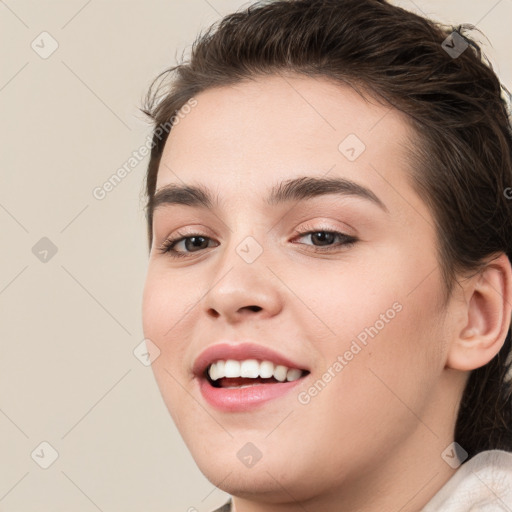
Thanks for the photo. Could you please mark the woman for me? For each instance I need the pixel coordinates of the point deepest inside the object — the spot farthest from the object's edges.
(329, 281)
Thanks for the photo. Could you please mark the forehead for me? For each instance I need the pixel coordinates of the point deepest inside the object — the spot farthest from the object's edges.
(248, 136)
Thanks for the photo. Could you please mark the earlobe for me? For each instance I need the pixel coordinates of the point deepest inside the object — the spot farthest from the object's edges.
(487, 316)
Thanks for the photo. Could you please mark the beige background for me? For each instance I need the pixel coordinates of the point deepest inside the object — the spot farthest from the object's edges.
(69, 326)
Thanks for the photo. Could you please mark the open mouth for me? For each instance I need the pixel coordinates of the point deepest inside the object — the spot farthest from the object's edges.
(233, 374)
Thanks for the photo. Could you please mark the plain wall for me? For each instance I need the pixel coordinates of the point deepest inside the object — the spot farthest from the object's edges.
(70, 321)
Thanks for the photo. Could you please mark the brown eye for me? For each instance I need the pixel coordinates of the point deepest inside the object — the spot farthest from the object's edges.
(324, 238)
(191, 243)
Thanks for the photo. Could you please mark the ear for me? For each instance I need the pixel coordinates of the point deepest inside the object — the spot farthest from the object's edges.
(486, 316)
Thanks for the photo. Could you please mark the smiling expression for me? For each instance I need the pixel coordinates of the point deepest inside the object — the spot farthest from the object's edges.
(305, 234)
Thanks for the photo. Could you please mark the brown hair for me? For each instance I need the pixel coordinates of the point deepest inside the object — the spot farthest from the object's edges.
(461, 159)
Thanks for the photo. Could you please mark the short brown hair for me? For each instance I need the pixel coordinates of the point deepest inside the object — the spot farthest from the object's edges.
(461, 163)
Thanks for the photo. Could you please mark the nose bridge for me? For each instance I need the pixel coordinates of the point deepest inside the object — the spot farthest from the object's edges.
(242, 281)
(248, 239)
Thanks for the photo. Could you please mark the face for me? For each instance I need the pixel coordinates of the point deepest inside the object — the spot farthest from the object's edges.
(342, 283)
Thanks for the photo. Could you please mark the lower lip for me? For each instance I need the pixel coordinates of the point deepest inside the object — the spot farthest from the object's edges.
(244, 399)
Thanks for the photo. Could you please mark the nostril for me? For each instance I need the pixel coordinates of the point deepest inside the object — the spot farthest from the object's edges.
(254, 308)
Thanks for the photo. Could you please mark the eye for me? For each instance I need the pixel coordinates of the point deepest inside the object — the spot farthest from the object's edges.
(194, 242)
(326, 239)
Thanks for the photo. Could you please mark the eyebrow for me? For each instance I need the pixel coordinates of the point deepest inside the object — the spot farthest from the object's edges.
(296, 189)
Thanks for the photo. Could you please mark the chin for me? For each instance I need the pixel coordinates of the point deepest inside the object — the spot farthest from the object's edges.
(252, 484)
(265, 481)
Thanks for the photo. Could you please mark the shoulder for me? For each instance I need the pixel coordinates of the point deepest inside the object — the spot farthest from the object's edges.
(484, 481)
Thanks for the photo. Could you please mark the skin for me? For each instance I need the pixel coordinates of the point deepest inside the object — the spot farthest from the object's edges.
(372, 439)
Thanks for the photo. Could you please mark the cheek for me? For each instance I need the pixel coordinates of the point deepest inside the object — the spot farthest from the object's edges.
(163, 306)
(166, 300)
(394, 357)
(166, 322)
(383, 387)
(385, 323)
(338, 303)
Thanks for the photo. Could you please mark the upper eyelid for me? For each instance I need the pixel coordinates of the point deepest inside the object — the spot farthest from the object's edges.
(186, 232)
(322, 224)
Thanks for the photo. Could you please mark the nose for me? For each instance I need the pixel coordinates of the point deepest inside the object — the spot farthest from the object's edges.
(243, 291)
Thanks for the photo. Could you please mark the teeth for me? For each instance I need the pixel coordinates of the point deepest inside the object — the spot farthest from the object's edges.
(293, 374)
(266, 369)
(280, 373)
(231, 369)
(220, 368)
(251, 368)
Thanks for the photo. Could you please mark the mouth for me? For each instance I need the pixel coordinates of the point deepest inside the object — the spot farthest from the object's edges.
(232, 374)
(244, 376)
(243, 386)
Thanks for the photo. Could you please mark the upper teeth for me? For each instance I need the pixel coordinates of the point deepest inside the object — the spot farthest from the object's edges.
(251, 368)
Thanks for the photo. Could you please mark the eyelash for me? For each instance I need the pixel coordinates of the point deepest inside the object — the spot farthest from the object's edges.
(347, 241)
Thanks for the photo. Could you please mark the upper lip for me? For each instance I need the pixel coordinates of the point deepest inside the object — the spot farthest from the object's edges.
(240, 352)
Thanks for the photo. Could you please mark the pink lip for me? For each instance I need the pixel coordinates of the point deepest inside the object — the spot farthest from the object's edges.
(239, 352)
(244, 399)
